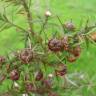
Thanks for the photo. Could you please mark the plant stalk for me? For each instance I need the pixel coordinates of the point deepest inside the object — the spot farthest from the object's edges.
(29, 17)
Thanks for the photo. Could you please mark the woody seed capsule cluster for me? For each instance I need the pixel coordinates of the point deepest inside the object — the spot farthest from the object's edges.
(39, 75)
(29, 87)
(14, 75)
(26, 56)
(2, 59)
(69, 26)
(55, 45)
(61, 70)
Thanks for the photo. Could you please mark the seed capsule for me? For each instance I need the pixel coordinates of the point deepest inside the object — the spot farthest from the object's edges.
(39, 75)
(69, 26)
(14, 75)
(52, 94)
(2, 59)
(75, 51)
(55, 45)
(26, 56)
(61, 70)
(65, 44)
(71, 58)
(29, 87)
(46, 83)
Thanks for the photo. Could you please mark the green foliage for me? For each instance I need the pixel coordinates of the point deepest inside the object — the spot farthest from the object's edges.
(39, 43)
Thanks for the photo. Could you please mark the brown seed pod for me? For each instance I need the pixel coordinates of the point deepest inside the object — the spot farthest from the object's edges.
(14, 75)
(75, 51)
(69, 26)
(52, 94)
(26, 56)
(46, 83)
(39, 75)
(30, 87)
(65, 44)
(2, 59)
(55, 45)
(71, 58)
(61, 70)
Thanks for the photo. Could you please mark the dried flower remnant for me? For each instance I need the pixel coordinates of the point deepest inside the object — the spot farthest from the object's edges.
(71, 58)
(65, 44)
(75, 51)
(69, 26)
(61, 70)
(55, 45)
(14, 75)
(52, 94)
(46, 83)
(2, 59)
(26, 56)
(30, 87)
(39, 75)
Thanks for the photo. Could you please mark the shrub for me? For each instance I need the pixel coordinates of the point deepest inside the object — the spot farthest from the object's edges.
(36, 68)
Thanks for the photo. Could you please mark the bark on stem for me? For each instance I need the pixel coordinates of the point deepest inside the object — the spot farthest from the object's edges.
(29, 17)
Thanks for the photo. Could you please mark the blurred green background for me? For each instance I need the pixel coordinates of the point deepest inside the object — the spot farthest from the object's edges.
(77, 10)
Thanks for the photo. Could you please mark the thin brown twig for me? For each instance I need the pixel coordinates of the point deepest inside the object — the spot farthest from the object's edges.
(29, 16)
